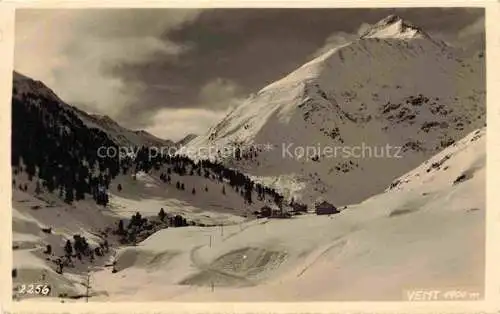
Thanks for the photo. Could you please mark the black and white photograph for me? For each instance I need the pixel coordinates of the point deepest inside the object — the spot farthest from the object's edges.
(248, 154)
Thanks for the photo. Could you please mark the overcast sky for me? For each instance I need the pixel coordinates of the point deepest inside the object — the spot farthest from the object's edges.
(174, 72)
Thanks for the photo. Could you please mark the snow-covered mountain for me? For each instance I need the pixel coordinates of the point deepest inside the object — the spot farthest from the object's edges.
(394, 85)
(394, 26)
(27, 87)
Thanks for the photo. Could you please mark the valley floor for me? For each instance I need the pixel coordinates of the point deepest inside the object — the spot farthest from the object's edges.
(368, 252)
(376, 250)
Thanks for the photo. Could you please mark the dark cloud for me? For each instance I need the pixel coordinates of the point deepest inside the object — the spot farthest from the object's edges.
(210, 60)
(253, 47)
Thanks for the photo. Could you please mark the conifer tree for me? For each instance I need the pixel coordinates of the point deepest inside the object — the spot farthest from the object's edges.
(68, 248)
(121, 229)
(69, 196)
(162, 214)
(38, 189)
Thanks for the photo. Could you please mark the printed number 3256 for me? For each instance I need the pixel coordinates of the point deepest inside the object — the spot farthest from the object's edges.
(35, 289)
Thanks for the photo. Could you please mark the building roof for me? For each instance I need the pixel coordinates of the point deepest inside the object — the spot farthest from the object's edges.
(324, 204)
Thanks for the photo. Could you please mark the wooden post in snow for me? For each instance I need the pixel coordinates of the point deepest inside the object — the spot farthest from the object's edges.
(88, 287)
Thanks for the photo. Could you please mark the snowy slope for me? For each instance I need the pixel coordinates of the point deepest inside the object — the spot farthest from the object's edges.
(393, 86)
(146, 194)
(425, 234)
(441, 169)
(31, 214)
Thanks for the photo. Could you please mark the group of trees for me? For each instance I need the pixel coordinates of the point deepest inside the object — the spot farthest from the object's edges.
(49, 141)
(139, 228)
(181, 166)
(180, 186)
(22, 187)
(213, 170)
(79, 248)
(165, 178)
(184, 166)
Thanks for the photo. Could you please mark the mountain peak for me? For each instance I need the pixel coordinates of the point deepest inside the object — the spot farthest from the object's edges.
(391, 19)
(393, 26)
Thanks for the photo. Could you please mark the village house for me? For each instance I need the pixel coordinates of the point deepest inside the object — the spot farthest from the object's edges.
(325, 208)
(268, 212)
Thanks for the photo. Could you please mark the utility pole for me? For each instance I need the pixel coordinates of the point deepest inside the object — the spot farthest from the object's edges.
(88, 287)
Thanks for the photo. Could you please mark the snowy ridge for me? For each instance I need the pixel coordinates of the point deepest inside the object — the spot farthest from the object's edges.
(125, 136)
(335, 100)
(120, 135)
